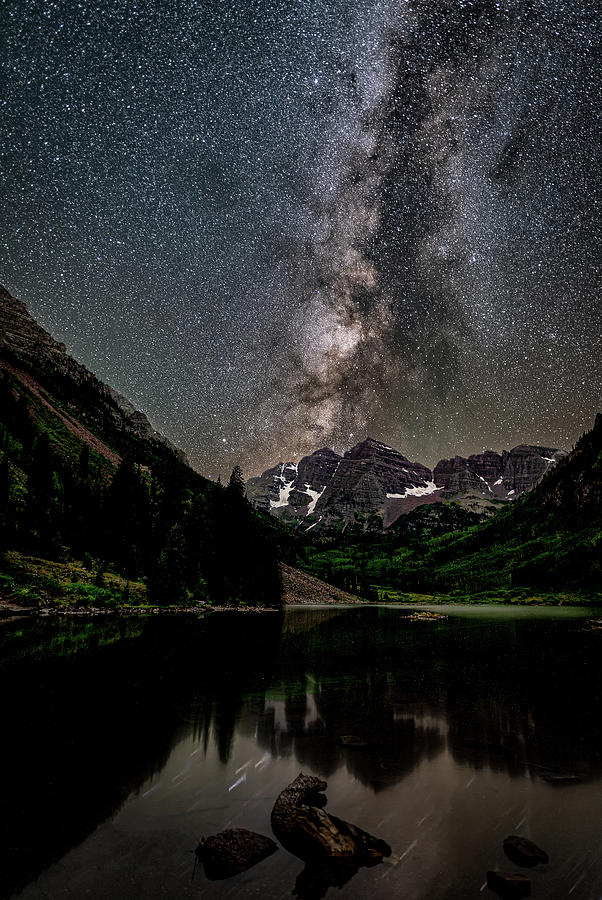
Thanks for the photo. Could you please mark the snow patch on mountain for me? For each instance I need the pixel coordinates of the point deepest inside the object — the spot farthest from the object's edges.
(419, 491)
(286, 487)
(313, 525)
(315, 496)
(283, 468)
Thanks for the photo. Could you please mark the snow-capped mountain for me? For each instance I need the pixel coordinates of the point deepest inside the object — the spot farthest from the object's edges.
(375, 484)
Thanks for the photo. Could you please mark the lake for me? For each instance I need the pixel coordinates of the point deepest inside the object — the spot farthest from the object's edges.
(126, 740)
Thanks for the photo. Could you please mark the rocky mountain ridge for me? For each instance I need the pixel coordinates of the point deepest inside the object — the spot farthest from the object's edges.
(375, 484)
(28, 350)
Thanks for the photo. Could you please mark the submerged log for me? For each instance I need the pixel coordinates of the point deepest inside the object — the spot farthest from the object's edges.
(524, 852)
(309, 832)
(230, 852)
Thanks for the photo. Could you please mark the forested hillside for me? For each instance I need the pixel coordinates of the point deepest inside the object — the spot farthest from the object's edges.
(83, 477)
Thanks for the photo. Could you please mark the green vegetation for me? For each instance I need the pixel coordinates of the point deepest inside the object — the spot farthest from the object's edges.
(485, 563)
(27, 580)
(511, 596)
(96, 512)
(545, 547)
(145, 519)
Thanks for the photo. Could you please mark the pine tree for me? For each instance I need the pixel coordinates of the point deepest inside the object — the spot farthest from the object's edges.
(236, 485)
(168, 581)
(84, 464)
(128, 519)
(43, 488)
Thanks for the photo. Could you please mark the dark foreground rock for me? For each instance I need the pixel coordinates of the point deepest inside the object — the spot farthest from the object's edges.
(311, 833)
(523, 852)
(509, 885)
(230, 852)
(333, 850)
(318, 876)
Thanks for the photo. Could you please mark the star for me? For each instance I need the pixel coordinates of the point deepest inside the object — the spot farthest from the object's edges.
(275, 226)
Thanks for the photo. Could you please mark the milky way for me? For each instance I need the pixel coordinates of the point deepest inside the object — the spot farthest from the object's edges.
(276, 226)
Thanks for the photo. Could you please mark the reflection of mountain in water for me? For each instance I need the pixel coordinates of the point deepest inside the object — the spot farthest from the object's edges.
(510, 694)
(88, 728)
(90, 717)
(310, 727)
(301, 619)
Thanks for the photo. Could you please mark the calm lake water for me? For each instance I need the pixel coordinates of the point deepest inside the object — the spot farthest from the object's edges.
(124, 741)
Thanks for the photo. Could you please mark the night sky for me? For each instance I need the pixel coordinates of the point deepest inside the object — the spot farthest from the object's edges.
(277, 225)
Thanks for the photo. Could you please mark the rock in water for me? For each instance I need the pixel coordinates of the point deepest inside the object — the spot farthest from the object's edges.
(509, 885)
(230, 852)
(562, 778)
(309, 832)
(524, 852)
(352, 740)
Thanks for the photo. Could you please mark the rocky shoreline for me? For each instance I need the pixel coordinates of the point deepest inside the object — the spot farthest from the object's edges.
(10, 610)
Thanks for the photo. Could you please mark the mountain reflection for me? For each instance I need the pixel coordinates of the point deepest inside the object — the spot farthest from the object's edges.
(94, 708)
(309, 726)
(504, 694)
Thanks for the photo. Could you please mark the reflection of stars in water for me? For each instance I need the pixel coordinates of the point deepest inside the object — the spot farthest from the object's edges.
(272, 228)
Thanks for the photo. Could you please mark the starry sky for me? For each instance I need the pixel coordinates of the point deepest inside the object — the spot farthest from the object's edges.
(277, 225)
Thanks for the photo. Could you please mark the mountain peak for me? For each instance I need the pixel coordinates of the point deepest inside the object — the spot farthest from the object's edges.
(326, 451)
(374, 482)
(371, 447)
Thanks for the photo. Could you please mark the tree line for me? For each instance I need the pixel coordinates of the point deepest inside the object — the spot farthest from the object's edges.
(153, 518)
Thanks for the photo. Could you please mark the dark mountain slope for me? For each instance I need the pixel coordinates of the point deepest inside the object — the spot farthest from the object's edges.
(92, 409)
(84, 475)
